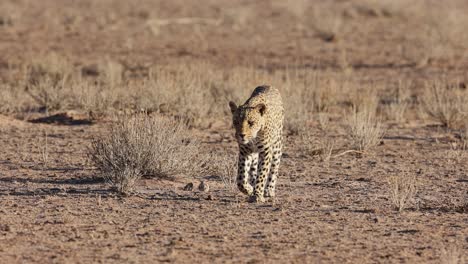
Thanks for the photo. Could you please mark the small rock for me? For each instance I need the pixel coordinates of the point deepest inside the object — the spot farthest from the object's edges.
(5, 227)
(203, 187)
(188, 187)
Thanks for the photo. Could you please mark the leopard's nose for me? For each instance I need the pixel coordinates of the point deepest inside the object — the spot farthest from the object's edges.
(242, 136)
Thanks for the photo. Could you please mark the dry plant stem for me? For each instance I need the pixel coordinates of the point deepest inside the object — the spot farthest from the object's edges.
(365, 131)
(402, 190)
(45, 150)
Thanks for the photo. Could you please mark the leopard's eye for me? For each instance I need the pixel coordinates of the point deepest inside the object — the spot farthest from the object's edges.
(251, 123)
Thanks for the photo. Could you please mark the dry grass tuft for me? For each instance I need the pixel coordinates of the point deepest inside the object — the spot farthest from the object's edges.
(445, 103)
(364, 130)
(143, 145)
(402, 189)
(327, 146)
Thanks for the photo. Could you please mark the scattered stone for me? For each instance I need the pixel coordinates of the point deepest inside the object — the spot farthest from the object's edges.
(5, 228)
(188, 187)
(203, 187)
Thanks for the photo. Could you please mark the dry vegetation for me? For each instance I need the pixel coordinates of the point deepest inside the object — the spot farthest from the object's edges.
(145, 146)
(402, 189)
(365, 132)
(141, 89)
(446, 102)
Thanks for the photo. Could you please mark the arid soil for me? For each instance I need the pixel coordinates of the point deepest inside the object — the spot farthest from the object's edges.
(54, 207)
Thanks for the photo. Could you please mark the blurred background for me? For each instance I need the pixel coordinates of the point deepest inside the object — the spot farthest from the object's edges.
(113, 54)
(299, 32)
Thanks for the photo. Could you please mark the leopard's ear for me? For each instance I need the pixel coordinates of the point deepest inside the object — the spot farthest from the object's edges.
(261, 108)
(233, 107)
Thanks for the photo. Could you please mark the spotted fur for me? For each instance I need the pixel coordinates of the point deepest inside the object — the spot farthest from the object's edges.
(259, 125)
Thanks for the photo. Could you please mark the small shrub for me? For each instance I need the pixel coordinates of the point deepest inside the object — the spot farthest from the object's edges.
(47, 79)
(49, 94)
(444, 103)
(51, 66)
(365, 132)
(402, 190)
(144, 146)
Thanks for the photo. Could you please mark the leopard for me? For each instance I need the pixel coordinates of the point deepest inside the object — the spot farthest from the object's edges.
(258, 125)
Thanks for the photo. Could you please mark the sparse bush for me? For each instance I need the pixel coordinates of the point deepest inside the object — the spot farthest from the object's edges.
(364, 131)
(402, 190)
(47, 79)
(49, 94)
(445, 103)
(144, 146)
(52, 67)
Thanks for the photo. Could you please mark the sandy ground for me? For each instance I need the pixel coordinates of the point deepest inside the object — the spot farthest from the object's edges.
(53, 209)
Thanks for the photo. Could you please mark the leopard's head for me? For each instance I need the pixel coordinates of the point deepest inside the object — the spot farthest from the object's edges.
(247, 121)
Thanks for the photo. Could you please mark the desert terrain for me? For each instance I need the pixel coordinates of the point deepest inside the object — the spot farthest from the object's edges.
(375, 161)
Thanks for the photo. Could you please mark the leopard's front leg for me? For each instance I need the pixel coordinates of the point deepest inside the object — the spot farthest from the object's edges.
(272, 178)
(254, 169)
(244, 164)
(264, 155)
